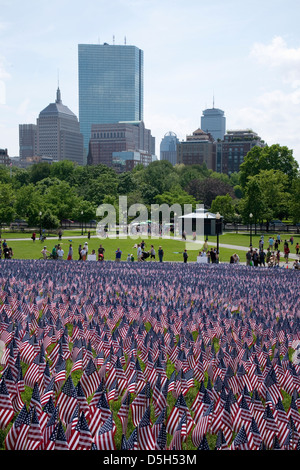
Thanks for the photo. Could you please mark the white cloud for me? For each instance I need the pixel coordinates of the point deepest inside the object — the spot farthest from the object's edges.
(278, 55)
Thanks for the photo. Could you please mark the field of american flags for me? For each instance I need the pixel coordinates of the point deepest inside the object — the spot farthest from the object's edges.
(147, 356)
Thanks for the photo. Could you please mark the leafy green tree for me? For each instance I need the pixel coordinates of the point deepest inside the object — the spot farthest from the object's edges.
(4, 174)
(275, 186)
(28, 204)
(61, 198)
(49, 221)
(126, 183)
(62, 170)
(274, 157)
(294, 201)
(7, 201)
(176, 196)
(225, 206)
(39, 171)
(208, 189)
(85, 211)
(254, 202)
(187, 173)
(156, 175)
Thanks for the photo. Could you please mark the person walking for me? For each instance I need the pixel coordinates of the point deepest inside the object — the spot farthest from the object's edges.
(79, 252)
(139, 252)
(160, 254)
(185, 256)
(152, 252)
(70, 253)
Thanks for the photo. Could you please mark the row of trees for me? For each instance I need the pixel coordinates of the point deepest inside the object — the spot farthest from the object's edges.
(267, 185)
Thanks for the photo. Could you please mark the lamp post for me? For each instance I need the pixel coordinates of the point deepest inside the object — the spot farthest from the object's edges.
(218, 217)
(40, 214)
(250, 215)
(81, 223)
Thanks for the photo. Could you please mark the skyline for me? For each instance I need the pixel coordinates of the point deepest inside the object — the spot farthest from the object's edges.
(246, 60)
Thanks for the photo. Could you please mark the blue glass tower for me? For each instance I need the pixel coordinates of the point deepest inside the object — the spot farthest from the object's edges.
(111, 85)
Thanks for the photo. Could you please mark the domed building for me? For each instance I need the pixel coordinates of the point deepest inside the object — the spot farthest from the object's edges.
(58, 133)
(168, 147)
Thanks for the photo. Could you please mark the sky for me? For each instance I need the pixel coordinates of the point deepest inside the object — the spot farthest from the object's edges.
(242, 56)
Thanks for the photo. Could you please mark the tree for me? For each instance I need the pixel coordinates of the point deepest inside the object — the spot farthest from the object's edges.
(156, 175)
(176, 196)
(49, 220)
(274, 157)
(29, 202)
(7, 200)
(224, 205)
(39, 171)
(294, 201)
(84, 211)
(207, 190)
(254, 203)
(62, 170)
(61, 199)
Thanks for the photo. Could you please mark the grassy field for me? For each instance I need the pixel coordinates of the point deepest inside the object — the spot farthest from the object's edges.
(24, 248)
(27, 249)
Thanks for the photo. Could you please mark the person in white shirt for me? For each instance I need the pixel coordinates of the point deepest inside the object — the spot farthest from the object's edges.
(45, 252)
(139, 253)
(60, 252)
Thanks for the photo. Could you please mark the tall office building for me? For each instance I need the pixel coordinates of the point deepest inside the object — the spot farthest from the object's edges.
(27, 140)
(213, 121)
(168, 147)
(111, 85)
(58, 133)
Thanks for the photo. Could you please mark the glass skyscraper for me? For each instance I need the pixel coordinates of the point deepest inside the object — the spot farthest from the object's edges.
(111, 85)
(214, 122)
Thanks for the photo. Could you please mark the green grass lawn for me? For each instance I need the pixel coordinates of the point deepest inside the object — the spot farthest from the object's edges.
(25, 248)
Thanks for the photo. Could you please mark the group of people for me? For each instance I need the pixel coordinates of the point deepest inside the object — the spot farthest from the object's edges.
(141, 253)
(6, 252)
(272, 256)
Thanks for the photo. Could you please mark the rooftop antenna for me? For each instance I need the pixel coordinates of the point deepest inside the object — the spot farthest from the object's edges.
(113, 40)
(213, 100)
(125, 40)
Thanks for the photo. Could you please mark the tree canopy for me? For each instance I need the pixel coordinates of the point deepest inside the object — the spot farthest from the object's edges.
(267, 185)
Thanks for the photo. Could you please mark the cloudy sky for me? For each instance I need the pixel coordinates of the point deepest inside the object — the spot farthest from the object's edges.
(244, 54)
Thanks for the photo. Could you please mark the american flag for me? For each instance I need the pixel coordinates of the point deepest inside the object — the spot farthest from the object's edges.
(34, 436)
(15, 431)
(179, 435)
(146, 440)
(67, 400)
(123, 413)
(228, 340)
(6, 407)
(81, 438)
(104, 438)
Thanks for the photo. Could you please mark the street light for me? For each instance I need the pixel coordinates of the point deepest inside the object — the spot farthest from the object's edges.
(40, 214)
(218, 217)
(81, 223)
(250, 215)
